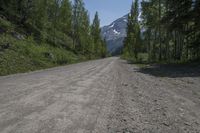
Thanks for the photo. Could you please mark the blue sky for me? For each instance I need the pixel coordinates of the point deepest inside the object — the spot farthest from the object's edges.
(109, 10)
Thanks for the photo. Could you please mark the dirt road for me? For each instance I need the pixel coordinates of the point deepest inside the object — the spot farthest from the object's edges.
(102, 96)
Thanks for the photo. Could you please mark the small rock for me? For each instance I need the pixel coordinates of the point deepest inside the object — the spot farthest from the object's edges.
(49, 55)
(164, 114)
(166, 124)
(187, 123)
(17, 36)
(197, 123)
(124, 84)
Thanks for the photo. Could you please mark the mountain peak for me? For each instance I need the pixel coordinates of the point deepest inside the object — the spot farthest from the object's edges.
(116, 29)
(115, 33)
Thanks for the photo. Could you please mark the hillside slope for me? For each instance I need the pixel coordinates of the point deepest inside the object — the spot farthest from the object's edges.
(20, 52)
(41, 33)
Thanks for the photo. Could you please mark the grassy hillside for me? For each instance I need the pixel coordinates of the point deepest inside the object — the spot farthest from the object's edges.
(21, 53)
(37, 34)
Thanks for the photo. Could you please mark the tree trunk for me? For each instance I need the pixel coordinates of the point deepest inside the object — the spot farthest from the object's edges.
(160, 45)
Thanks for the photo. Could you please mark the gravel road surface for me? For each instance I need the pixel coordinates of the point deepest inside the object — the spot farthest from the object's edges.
(101, 96)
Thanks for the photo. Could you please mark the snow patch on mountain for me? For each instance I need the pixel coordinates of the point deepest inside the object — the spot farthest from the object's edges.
(116, 32)
(125, 20)
(112, 25)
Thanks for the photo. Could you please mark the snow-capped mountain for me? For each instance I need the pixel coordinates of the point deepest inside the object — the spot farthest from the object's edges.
(115, 34)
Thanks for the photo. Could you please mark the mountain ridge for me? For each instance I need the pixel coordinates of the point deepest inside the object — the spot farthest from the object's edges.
(114, 34)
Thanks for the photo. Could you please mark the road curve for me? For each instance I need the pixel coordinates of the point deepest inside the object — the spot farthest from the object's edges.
(101, 96)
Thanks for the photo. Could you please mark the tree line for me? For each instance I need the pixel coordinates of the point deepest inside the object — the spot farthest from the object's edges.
(58, 23)
(168, 30)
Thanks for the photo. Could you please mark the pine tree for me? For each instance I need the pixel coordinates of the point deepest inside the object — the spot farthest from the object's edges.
(95, 32)
(85, 34)
(78, 10)
(103, 49)
(173, 23)
(133, 39)
(195, 44)
(147, 24)
(65, 17)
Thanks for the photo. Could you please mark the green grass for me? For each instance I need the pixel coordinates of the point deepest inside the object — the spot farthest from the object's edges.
(142, 58)
(6, 25)
(17, 56)
(142, 61)
(140, 65)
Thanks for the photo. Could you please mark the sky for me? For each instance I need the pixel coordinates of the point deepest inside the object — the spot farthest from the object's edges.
(109, 10)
